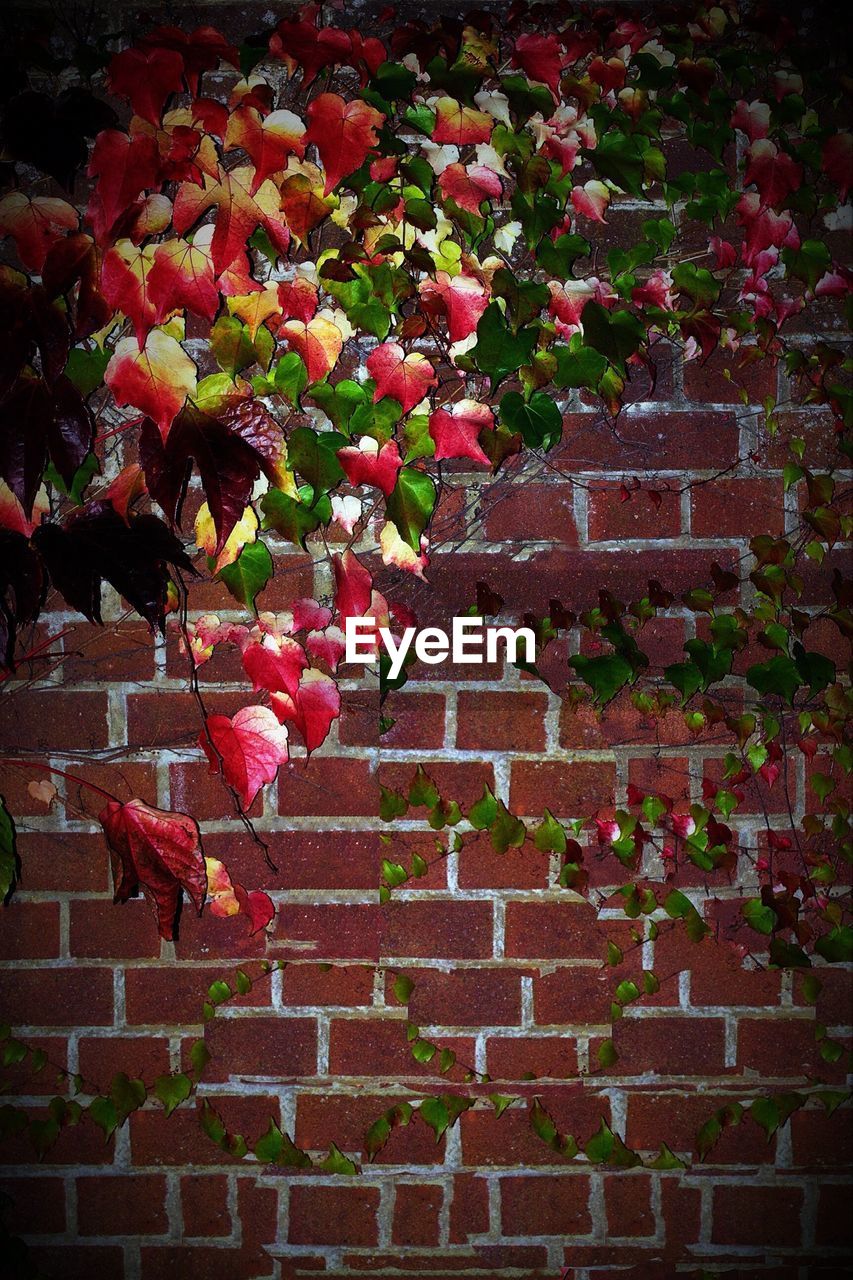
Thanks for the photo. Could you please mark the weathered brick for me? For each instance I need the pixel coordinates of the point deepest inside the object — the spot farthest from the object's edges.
(333, 1215)
(547, 1206)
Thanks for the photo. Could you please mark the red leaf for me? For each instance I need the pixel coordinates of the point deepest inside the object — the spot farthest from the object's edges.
(368, 464)
(275, 663)
(157, 851)
(540, 58)
(837, 162)
(36, 223)
(300, 44)
(125, 285)
(313, 708)
(774, 172)
(353, 586)
(319, 342)
(406, 378)
(461, 126)
(455, 433)
(146, 77)
(463, 299)
(182, 277)
(343, 133)
(469, 186)
(267, 141)
(250, 746)
(155, 378)
(124, 167)
(297, 299)
(242, 207)
(228, 898)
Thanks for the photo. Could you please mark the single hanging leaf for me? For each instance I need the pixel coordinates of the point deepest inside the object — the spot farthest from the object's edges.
(172, 1090)
(247, 748)
(157, 851)
(155, 379)
(410, 505)
(406, 378)
(247, 576)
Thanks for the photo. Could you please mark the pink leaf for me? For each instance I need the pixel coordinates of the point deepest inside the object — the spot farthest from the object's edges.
(456, 432)
(248, 748)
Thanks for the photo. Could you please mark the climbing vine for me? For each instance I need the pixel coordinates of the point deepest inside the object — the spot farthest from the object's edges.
(311, 276)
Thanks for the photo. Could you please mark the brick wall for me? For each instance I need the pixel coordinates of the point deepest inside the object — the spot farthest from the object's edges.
(507, 966)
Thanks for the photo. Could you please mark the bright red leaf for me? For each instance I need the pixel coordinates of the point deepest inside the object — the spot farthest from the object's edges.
(406, 378)
(247, 748)
(455, 433)
(343, 133)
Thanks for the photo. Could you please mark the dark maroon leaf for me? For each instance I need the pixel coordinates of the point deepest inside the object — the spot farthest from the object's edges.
(97, 545)
(21, 590)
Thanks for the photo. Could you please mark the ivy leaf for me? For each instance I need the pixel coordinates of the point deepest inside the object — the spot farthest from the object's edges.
(484, 811)
(158, 851)
(605, 674)
(313, 454)
(539, 420)
(9, 860)
(172, 1090)
(578, 366)
(779, 676)
(499, 351)
(410, 505)
(246, 748)
(295, 518)
(337, 1162)
(343, 133)
(614, 334)
(247, 576)
(758, 916)
(550, 835)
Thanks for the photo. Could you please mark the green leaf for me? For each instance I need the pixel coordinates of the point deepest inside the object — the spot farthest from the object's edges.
(500, 1102)
(337, 1162)
(578, 365)
(557, 257)
(600, 1146)
(313, 455)
(605, 674)
(484, 811)
(242, 982)
(127, 1095)
(423, 793)
(293, 519)
(391, 804)
(89, 467)
(666, 1159)
(550, 836)
(247, 576)
(507, 831)
(499, 351)
(172, 1090)
(619, 158)
(539, 421)
(434, 1113)
(218, 992)
(837, 945)
(9, 861)
(85, 369)
(759, 917)
(778, 676)
(411, 504)
(614, 334)
(423, 1051)
(403, 988)
(765, 1113)
(289, 377)
(103, 1112)
(607, 1054)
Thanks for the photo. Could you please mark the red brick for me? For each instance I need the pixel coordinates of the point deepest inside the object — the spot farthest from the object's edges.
(338, 931)
(333, 1215)
(38, 1205)
(677, 1118)
(681, 1209)
(64, 860)
(196, 789)
(556, 930)
(750, 1215)
(378, 1047)
(778, 1046)
(204, 1205)
(509, 1140)
(164, 1262)
(172, 995)
(178, 1139)
(665, 440)
(611, 517)
(341, 985)
(20, 1077)
(30, 930)
(438, 929)
(59, 997)
(834, 1222)
(834, 1006)
(125, 783)
(523, 1057)
(628, 1201)
(717, 974)
(465, 997)
(481, 867)
(102, 930)
(519, 511)
(117, 652)
(576, 996)
(620, 724)
(469, 1208)
(102, 1057)
(489, 721)
(418, 719)
(461, 782)
(253, 1045)
(570, 789)
(416, 1211)
(672, 1046)
(732, 508)
(329, 786)
(132, 1204)
(705, 381)
(53, 720)
(822, 1141)
(546, 1206)
(323, 1118)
